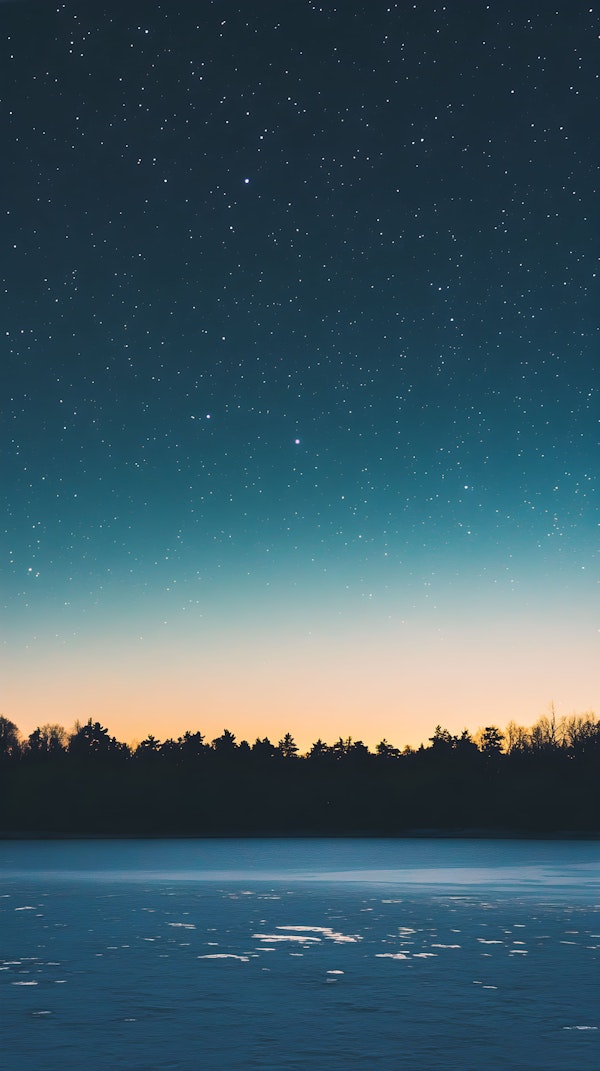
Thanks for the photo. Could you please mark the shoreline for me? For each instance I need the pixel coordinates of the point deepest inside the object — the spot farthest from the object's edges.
(408, 834)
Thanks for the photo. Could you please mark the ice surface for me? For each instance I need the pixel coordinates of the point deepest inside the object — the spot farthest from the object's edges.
(169, 974)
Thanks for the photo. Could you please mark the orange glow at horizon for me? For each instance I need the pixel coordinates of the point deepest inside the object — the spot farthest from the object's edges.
(391, 682)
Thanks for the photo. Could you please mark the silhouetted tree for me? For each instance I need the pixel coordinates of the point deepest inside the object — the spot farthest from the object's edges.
(490, 741)
(9, 739)
(225, 744)
(48, 740)
(92, 739)
(358, 750)
(543, 735)
(263, 749)
(464, 745)
(170, 750)
(580, 733)
(387, 751)
(192, 745)
(516, 739)
(341, 748)
(148, 749)
(319, 750)
(287, 747)
(442, 741)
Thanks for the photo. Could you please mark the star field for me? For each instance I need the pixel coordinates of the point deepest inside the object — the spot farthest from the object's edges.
(300, 313)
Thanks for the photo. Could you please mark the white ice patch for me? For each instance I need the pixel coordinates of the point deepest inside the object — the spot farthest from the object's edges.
(391, 955)
(182, 925)
(335, 972)
(424, 955)
(224, 955)
(307, 929)
(446, 946)
(302, 934)
(285, 937)
(580, 1028)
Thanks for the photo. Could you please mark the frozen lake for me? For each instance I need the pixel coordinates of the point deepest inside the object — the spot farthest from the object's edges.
(293, 954)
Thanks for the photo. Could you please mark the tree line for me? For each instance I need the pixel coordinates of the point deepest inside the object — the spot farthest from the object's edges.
(540, 779)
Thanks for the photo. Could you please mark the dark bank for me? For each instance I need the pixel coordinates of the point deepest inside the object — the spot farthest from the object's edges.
(524, 782)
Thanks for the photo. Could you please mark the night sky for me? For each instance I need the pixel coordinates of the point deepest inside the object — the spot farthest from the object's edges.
(300, 365)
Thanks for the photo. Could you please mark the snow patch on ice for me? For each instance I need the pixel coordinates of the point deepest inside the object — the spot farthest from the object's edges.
(224, 955)
(285, 937)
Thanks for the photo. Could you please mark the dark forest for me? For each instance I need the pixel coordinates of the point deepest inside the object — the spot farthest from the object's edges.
(542, 780)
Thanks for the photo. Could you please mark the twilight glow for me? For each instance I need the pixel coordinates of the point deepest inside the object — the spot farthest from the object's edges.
(300, 367)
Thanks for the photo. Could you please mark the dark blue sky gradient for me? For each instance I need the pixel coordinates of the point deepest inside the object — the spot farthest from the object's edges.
(297, 295)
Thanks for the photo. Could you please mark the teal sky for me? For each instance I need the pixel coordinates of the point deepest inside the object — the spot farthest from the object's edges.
(299, 365)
